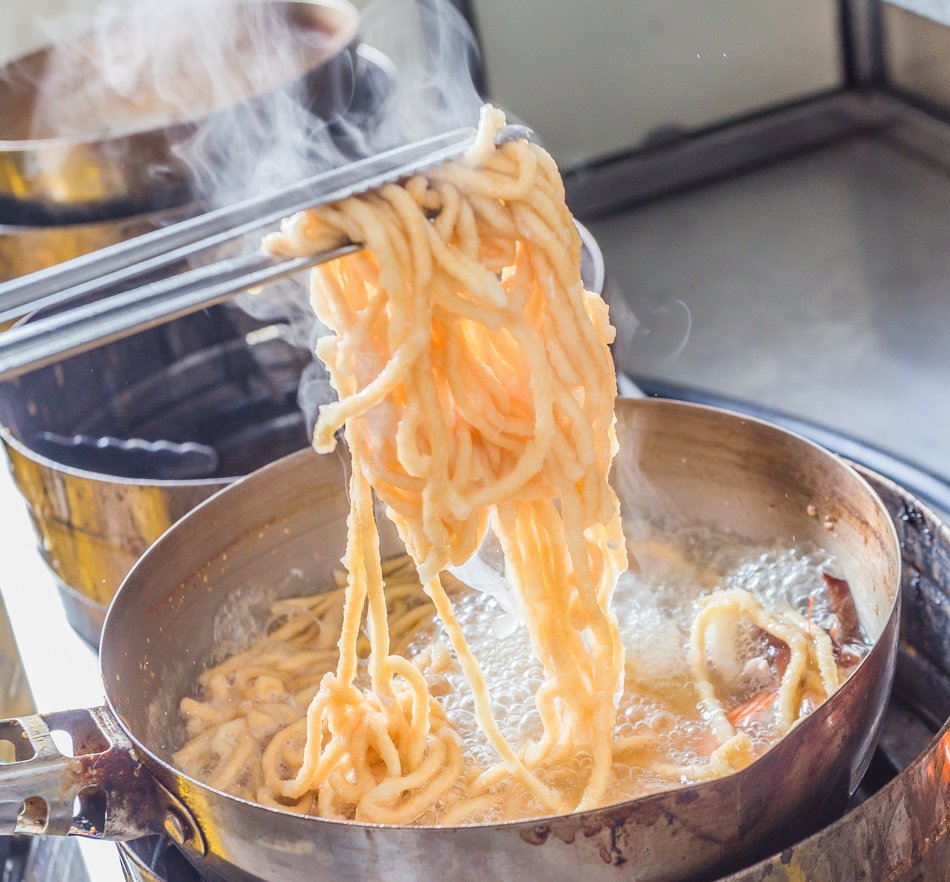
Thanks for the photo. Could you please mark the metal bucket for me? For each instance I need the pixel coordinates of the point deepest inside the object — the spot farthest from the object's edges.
(714, 466)
(100, 171)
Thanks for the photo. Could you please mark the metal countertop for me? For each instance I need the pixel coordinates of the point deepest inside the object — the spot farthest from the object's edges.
(819, 286)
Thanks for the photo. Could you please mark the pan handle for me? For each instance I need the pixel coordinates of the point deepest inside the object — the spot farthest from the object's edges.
(102, 790)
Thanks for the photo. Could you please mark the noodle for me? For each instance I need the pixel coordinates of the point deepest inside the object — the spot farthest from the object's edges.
(790, 628)
(476, 394)
(476, 388)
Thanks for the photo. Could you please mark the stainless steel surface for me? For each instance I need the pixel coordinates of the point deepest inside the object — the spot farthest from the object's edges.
(110, 171)
(817, 287)
(99, 271)
(681, 162)
(97, 788)
(759, 480)
(924, 485)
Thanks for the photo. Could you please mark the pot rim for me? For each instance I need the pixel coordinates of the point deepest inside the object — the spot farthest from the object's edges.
(339, 40)
(11, 440)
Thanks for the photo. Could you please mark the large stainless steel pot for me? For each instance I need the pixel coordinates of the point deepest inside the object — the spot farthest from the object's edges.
(166, 384)
(210, 380)
(676, 459)
(101, 173)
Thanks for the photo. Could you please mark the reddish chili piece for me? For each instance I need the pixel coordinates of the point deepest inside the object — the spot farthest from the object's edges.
(778, 654)
(760, 702)
(848, 628)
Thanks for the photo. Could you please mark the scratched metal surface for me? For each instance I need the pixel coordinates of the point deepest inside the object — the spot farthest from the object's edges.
(815, 286)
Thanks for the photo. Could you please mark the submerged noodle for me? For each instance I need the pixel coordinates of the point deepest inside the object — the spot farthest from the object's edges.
(250, 720)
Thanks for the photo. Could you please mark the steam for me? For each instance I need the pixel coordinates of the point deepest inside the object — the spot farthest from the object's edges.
(426, 88)
(131, 66)
(650, 340)
(423, 85)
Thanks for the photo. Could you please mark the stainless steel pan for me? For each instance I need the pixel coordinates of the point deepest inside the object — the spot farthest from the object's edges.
(697, 462)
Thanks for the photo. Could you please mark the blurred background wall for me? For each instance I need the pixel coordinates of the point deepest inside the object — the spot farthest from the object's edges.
(598, 77)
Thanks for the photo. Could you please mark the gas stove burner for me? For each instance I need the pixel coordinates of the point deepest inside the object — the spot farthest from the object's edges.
(895, 818)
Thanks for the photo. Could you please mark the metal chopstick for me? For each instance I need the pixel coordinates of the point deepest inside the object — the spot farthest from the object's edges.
(52, 339)
(47, 340)
(93, 273)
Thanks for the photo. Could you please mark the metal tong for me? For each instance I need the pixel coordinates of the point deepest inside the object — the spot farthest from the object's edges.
(89, 325)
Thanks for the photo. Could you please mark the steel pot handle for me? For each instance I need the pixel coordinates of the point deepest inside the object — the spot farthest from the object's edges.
(102, 791)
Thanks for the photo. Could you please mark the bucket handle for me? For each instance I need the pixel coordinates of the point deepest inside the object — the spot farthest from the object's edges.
(101, 791)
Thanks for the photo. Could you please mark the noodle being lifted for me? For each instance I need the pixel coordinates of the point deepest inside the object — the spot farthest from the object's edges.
(475, 385)
(477, 393)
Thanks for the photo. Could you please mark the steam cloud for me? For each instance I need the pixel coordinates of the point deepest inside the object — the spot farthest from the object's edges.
(433, 52)
(128, 65)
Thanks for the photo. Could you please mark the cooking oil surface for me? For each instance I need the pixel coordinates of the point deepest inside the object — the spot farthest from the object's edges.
(665, 734)
(655, 602)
